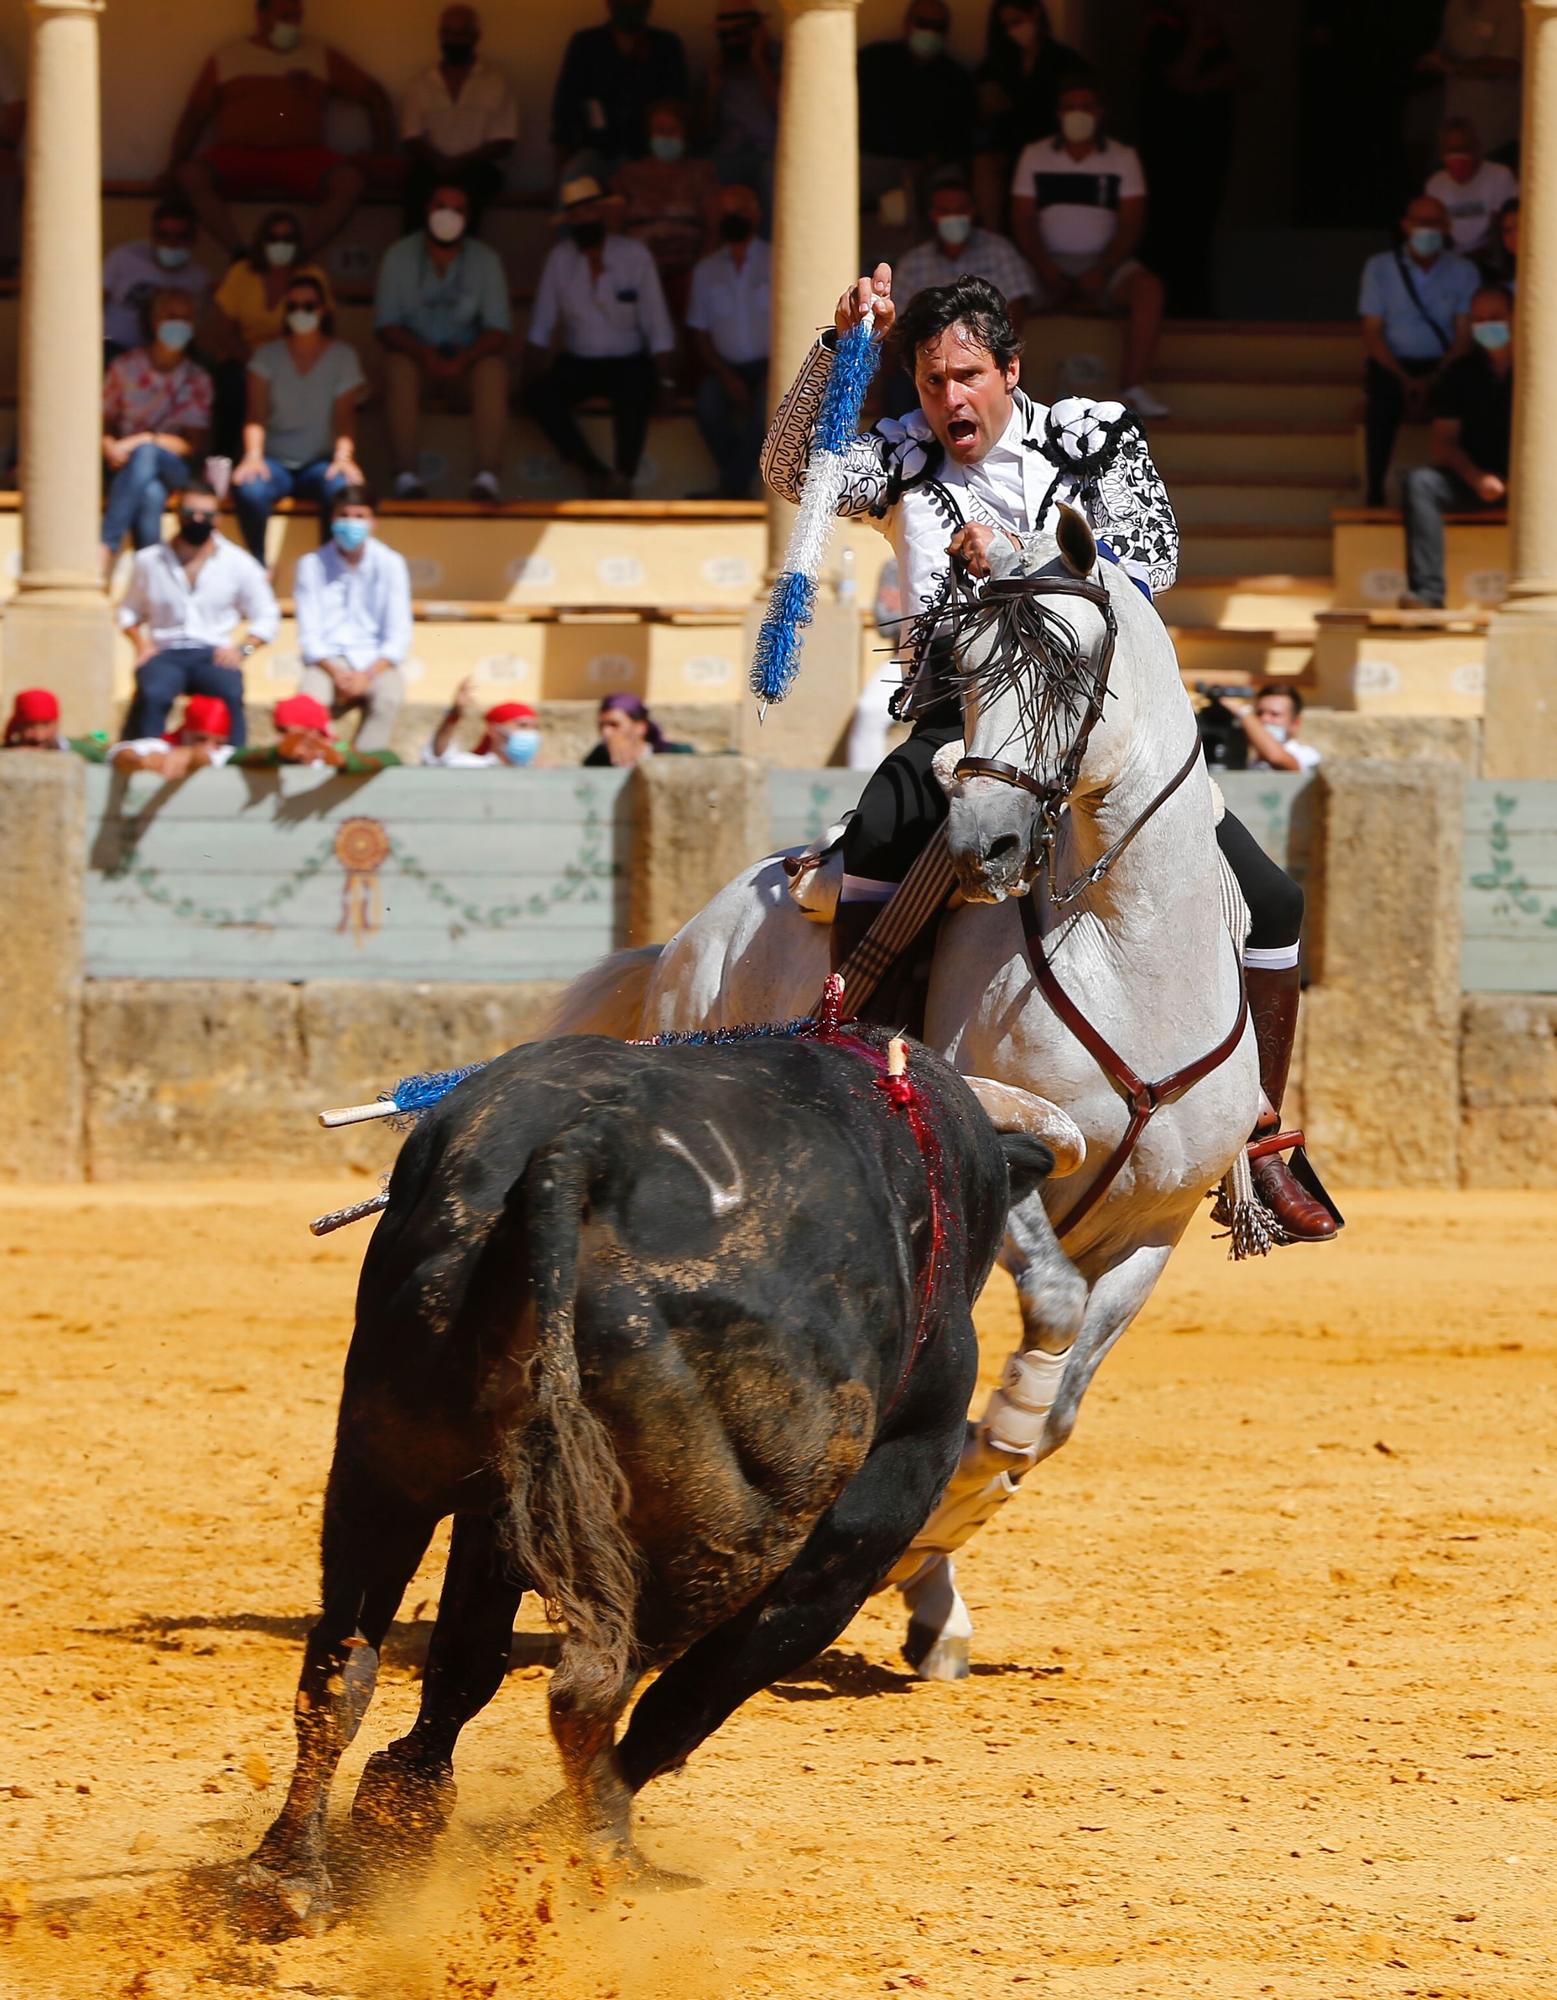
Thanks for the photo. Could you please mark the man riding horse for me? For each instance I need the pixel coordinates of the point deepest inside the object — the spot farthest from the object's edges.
(978, 461)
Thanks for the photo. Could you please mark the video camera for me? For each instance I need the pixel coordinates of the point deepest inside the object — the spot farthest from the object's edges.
(1221, 733)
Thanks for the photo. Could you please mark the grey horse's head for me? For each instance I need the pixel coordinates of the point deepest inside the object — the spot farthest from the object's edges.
(1027, 681)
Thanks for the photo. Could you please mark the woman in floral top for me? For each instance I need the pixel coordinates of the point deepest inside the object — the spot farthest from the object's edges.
(156, 413)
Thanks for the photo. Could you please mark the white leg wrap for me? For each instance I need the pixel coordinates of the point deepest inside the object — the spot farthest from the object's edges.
(1017, 1411)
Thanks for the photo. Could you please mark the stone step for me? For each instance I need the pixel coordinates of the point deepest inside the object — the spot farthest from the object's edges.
(1219, 548)
(1400, 663)
(1290, 500)
(1370, 557)
(1222, 655)
(1212, 396)
(1247, 603)
(1198, 450)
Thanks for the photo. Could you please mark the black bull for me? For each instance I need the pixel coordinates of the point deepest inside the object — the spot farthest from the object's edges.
(682, 1337)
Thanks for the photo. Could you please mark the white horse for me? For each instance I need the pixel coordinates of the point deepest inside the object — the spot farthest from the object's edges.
(1144, 953)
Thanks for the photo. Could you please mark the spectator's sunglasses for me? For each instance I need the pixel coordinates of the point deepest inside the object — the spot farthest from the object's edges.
(198, 510)
(303, 302)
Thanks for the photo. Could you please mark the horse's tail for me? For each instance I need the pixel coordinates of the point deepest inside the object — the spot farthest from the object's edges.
(608, 998)
(567, 1495)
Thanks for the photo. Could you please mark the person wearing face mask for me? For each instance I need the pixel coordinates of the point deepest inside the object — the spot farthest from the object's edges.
(1078, 209)
(671, 201)
(1018, 87)
(610, 76)
(249, 309)
(459, 121)
(1415, 307)
(300, 424)
(740, 109)
(958, 247)
(156, 413)
(265, 99)
(1473, 414)
(599, 297)
(1480, 56)
(134, 272)
(1270, 724)
(441, 314)
(187, 598)
(353, 607)
(511, 737)
(1471, 188)
(916, 104)
(728, 322)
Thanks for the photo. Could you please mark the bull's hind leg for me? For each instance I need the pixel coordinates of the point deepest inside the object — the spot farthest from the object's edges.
(848, 1552)
(409, 1788)
(371, 1546)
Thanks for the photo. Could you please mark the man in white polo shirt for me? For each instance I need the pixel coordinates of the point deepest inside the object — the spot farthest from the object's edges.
(1078, 211)
(185, 600)
(727, 318)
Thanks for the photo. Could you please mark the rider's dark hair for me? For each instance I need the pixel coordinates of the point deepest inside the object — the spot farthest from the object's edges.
(972, 303)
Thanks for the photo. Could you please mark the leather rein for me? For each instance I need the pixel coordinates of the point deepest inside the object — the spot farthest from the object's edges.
(1144, 1098)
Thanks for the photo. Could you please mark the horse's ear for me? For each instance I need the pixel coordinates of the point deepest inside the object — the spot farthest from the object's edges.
(1078, 545)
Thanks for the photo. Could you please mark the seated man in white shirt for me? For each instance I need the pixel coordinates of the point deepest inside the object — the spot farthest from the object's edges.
(183, 607)
(459, 121)
(957, 246)
(353, 605)
(1271, 724)
(600, 296)
(1471, 187)
(1078, 210)
(727, 317)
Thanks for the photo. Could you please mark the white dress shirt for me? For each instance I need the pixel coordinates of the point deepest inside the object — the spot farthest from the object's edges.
(228, 585)
(483, 113)
(619, 313)
(358, 612)
(730, 302)
(997, 485)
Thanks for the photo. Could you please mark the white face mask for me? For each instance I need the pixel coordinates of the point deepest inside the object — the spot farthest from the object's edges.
(954, 230)
(280, 252)
(1277, 729)
(445, 225)
(285, 36)
(305, 321)
(1079, 126)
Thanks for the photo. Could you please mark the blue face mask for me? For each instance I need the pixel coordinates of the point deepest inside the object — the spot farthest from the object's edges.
(1491, 334)
(667, 145)
(176, 333)
(1425, 242)
(350, 533)
(520, 745)
(171, 256)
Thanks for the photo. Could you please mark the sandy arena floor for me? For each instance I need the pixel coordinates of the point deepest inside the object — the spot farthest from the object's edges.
(1265, 1700)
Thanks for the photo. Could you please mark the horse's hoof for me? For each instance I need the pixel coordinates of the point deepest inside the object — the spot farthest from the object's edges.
(403, 1800)
(936, 1656)
(270, 1901)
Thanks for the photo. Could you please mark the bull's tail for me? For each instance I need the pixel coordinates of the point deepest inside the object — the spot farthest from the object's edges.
(567, 1493)
(608, 998)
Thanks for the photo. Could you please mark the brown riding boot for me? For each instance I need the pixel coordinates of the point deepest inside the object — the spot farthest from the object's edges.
(1273, 1002)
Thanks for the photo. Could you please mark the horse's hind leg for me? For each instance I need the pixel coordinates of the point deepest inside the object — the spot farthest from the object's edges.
(409, 1788)
(371, 1546)
(585, 1703)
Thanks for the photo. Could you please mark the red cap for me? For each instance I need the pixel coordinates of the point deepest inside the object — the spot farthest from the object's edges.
(510, 711)
(301, 711)
(206, 712)
(35, 705)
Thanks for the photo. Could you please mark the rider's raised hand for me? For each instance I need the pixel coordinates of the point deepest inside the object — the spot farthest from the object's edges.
(876, 289)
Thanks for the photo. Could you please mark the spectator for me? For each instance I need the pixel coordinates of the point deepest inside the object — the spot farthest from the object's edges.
(1415, 307)
(1189, 107)
(1078, 209)
(267, 97)
(459, 121)
(609, 78)
(249, 309)
(1471, 188)
(300, 428)
(740, 110)
(185, 600)
(1503, 265)
(601, 293)
(200, 741)
(628, 734)
(156, 412)
(441, 314)
(1472, 422)
(916, 104)
(957, 246)
(33, 723)
(13, 123)
(671, 202)
(305, 736)
(1270, 725)
(1018, 89)
(511, 737)
(728, 323)
(1479, 54)
(353, 601)
(134, 273)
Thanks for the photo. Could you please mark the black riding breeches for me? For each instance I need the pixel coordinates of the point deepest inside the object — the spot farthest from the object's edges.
(901, 806)
(1275, 901)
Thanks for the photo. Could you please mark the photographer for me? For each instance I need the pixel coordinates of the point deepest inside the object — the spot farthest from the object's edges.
(1270, 727)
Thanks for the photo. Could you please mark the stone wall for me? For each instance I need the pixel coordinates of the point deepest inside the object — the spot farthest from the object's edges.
(1508, 1084)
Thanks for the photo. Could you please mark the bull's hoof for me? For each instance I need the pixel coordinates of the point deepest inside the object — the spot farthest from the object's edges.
(271, 1900)
(938, 1656)
(408, 1802)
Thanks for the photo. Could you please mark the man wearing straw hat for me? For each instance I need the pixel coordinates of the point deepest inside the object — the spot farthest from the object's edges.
(600, 298)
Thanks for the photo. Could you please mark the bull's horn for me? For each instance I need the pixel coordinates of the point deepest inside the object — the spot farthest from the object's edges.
(1013, 1110)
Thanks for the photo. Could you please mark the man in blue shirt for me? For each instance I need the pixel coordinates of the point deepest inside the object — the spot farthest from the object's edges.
(1415, 308)
(353, 607)
(442, 317)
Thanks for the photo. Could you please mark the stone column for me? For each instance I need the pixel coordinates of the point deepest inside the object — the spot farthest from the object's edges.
(59, 628)
(1521, 701)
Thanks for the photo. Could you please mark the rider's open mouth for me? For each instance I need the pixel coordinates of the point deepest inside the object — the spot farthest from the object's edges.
(962, 430)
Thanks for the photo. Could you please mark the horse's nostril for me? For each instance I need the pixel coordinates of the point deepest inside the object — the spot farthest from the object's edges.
(1004, 848)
